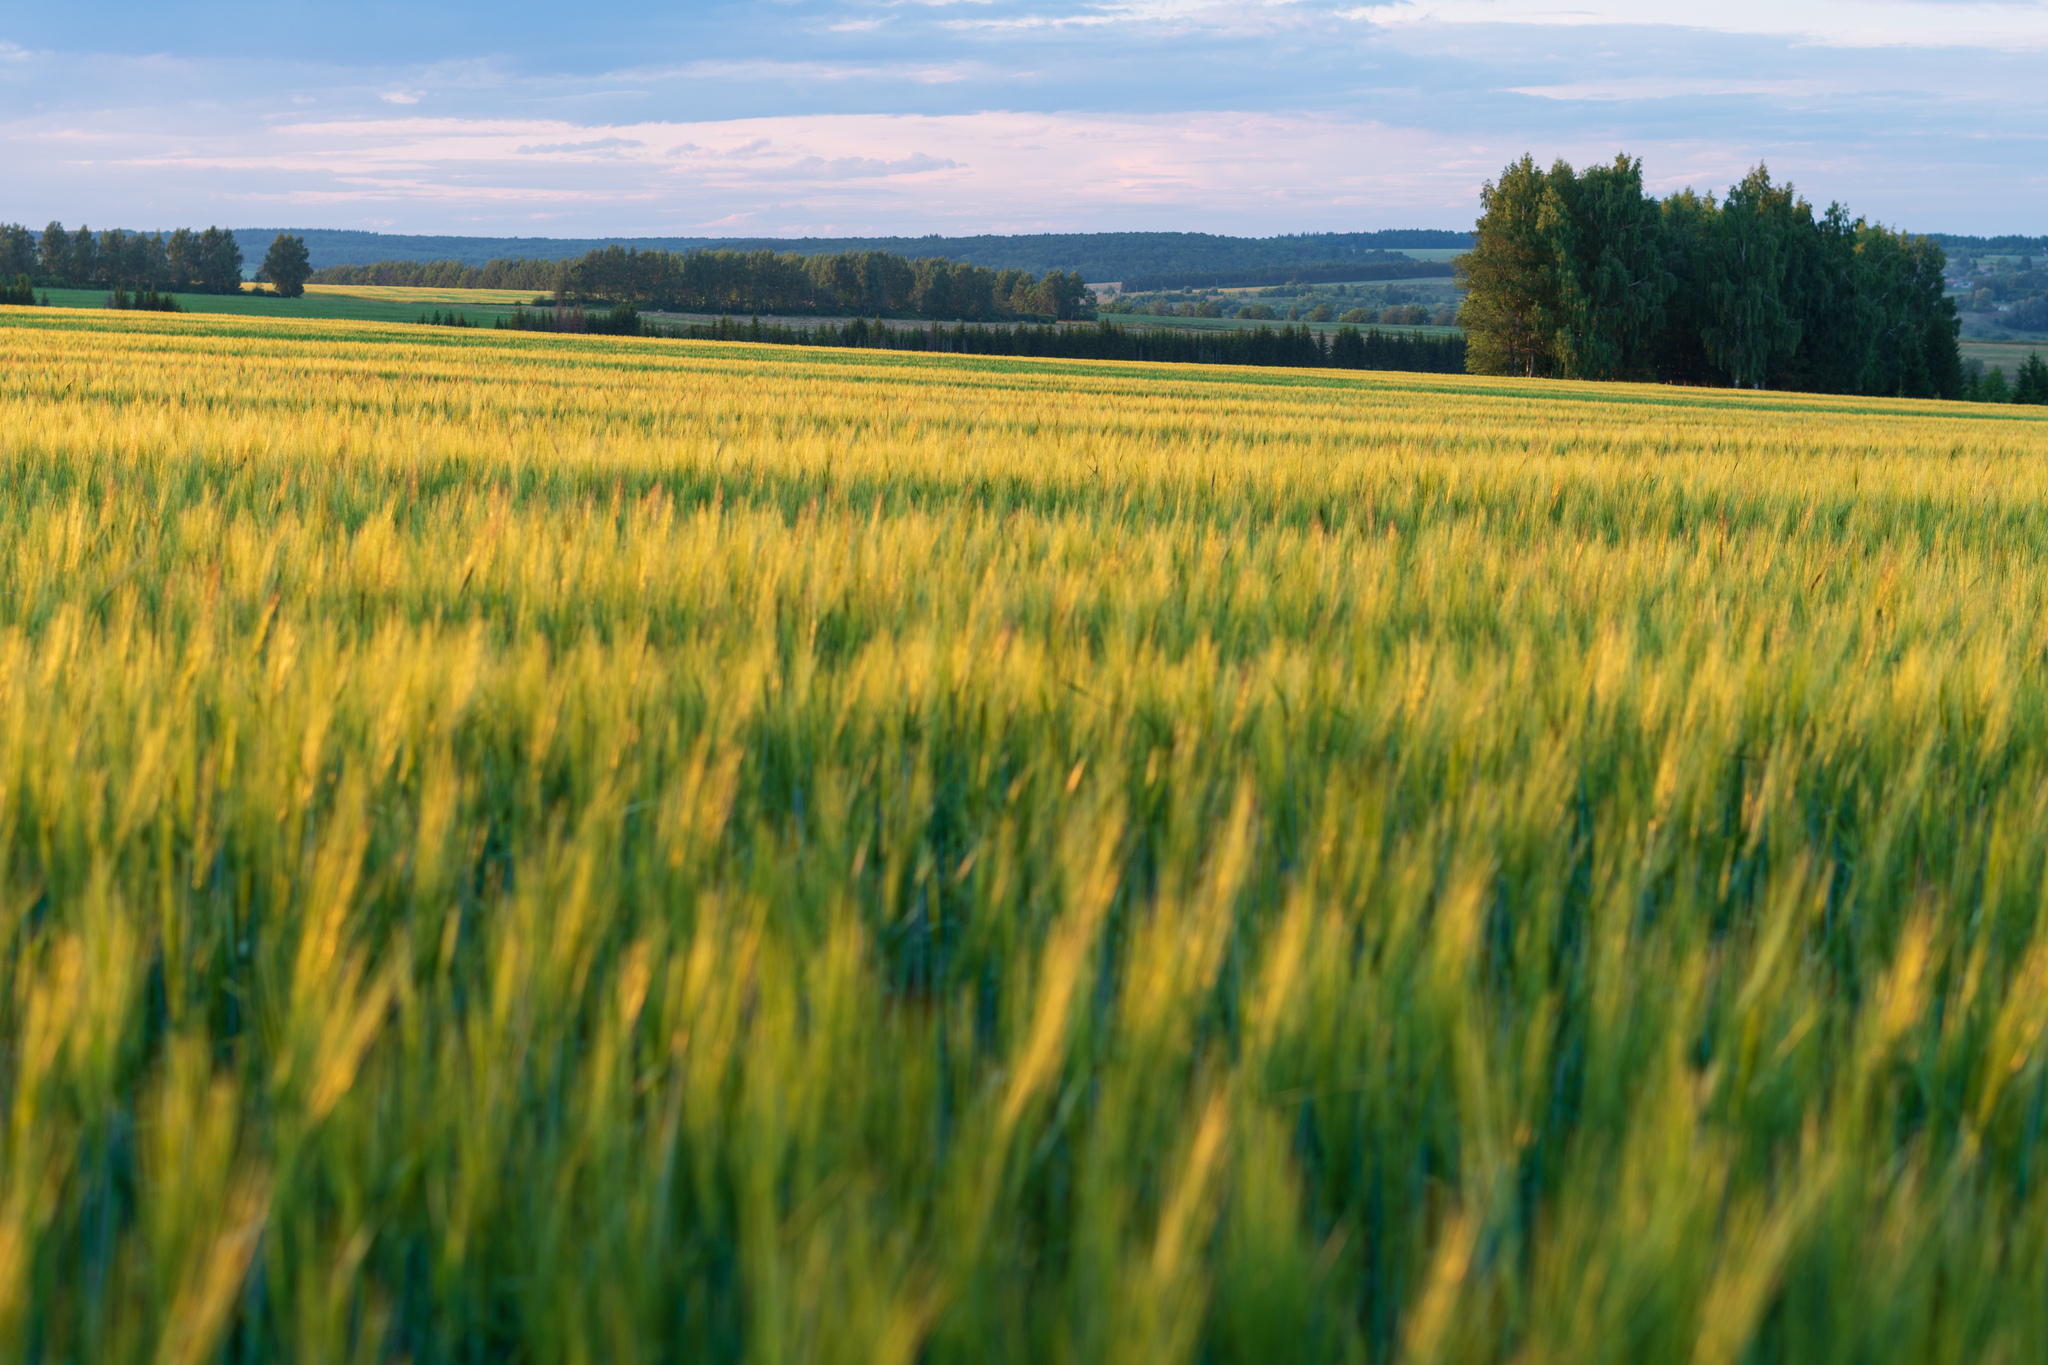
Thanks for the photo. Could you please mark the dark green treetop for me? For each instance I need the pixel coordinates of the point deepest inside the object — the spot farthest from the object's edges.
(287, 264)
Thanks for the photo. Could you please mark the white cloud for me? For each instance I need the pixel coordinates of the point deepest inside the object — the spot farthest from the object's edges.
(1001, 169)
(2016, 25)
(1229, 171)
(1680, 87)
(598, 146)
(775, 69)
(821, 169)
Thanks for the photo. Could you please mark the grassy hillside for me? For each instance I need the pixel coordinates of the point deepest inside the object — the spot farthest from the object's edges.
(521, 847)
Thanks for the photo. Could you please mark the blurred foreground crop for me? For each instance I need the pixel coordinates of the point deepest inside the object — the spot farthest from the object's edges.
(559, 849)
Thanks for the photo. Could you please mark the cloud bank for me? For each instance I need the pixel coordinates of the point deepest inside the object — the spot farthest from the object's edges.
(907, 116)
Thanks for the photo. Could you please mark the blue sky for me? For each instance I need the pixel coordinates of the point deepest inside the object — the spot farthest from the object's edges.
(839, 117)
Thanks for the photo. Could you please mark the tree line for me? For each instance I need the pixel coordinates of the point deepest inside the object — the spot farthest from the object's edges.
(875, 283)
(185, 261)
(2030, 385)
(510, 272)
(1291, 347)
(1584, 276)
(1321, 272)
(147, 263)
(2008, 245)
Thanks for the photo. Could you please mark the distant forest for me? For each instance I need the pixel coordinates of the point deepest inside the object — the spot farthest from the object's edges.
(1381, 266)
(1991, 246)
(876, 283)
(1093, 255)
(512, 272)
(1584, 276)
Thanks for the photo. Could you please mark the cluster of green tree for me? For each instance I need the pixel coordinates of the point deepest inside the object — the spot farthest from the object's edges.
(208, 262)
(786, 282)
(1288, 347)
(875, 282)
(1322, 272)
(622, 320)
(541, 276)
(2029, 314)
(143, 301)
(2031, 385)
(1174, 305)
(1584, 276)
(1400, 315)
(20, 294)
(449, 319)
(1430, 293)
(1092, 255)
(1151, 305)
(18, 251)
(2033, 382)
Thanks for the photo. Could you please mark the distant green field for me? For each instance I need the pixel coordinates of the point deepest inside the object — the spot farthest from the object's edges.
(426, 298)
(2002, 355)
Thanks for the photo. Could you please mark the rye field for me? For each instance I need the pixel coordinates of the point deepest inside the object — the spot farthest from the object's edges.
(532, 848)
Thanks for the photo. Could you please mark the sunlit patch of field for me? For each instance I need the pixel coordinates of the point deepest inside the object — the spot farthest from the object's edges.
(568, 848)
(494, 299)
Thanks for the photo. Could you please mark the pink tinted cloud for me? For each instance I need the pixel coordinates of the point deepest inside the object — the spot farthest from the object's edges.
(840, 174)
(885, 172)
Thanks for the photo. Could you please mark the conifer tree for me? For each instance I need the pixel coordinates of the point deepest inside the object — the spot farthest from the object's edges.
(84, 265)
(2032, 383)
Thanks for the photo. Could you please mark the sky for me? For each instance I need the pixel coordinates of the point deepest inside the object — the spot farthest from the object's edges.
(853, 117)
